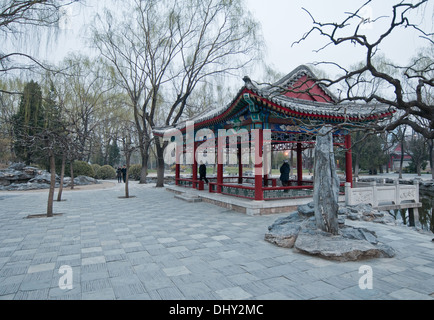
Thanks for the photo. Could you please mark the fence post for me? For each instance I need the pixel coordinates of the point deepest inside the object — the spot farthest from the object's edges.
(374, 194)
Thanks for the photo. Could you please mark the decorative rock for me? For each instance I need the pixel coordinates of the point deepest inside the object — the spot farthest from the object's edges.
(19, 177)
(339, 248)
(359, 234)
(44, 177)
(307, 210)
(351, 243)
(284, 231)
(84, 180)
(284, 237)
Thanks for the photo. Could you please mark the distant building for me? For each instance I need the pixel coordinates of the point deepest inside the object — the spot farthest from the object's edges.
(395, 159)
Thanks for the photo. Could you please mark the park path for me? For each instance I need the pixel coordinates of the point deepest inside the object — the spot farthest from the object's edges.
(153, 246)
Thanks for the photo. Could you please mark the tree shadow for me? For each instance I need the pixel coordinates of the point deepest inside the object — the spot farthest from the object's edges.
(42, 215)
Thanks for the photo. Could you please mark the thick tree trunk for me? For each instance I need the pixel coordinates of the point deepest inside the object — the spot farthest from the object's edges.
(326, 183)
(144, 152)
(52, 184)
(62, 175)
(144, 170)
(160, 163)
(72, 173)
(431, 156)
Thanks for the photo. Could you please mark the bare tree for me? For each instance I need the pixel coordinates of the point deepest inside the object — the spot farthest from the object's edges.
(171, 47)
(407, 91)
(128, 140)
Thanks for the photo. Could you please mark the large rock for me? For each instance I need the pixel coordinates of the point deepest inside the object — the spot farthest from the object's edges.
(19, 177)
(84, 180)
(307, 210)
(337, 247)
(299, 231)
(283, 232)
(43, 177)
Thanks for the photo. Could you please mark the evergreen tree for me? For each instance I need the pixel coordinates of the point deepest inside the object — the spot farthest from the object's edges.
(28, 122)
(114, 154)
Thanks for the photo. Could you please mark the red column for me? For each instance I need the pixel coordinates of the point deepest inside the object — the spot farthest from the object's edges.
(240, 166)
(259, 141)
(178, 152)
(194, 166)
(299, 165)
(221, 144)
(348, 160)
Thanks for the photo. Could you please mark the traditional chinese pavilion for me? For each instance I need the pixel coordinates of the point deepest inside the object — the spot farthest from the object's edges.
(294, 109)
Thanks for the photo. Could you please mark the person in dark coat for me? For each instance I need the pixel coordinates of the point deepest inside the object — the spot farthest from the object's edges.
(202, 172)
(124, 173)
(284, 173)
(119, 174)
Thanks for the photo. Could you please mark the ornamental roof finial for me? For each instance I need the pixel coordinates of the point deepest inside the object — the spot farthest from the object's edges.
(248, 82)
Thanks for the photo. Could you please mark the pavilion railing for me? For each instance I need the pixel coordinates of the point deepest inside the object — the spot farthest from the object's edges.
(231, 187)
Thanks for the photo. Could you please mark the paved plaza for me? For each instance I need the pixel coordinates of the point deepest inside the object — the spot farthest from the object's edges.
(154, 246)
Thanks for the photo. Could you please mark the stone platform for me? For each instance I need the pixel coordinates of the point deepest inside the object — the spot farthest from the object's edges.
(247, 206)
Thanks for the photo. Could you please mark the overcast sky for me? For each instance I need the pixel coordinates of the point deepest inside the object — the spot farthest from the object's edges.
(284, 22)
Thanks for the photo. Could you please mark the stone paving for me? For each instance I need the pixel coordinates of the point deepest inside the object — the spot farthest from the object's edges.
(154, 246)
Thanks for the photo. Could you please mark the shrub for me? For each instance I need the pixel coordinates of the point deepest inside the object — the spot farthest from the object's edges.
(106, 172)
(134, 172)
(96, 167)
(82, 168)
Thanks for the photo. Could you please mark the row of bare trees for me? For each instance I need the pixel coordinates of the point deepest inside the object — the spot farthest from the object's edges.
(166, 50)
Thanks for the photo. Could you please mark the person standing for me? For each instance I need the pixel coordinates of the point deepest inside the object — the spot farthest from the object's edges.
(202, 172)
(284, 173)
(119, 174)
(124, 173)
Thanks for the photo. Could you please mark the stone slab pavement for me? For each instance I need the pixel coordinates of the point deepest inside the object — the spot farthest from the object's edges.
(156, 247)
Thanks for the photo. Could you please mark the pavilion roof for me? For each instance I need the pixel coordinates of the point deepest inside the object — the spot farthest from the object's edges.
(295, 96)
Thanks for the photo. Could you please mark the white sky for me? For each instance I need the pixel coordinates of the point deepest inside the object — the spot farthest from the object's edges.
(284, 22)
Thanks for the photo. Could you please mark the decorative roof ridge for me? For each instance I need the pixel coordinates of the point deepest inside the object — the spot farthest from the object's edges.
(280, 85)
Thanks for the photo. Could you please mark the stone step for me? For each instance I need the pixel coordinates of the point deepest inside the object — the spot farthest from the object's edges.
(188, 197)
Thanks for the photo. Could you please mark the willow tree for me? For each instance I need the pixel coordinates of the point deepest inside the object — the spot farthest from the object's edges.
(27, 23)
(166, 49)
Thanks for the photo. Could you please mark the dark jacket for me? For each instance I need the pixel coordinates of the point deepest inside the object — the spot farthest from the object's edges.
(202, 170)
(284, 172)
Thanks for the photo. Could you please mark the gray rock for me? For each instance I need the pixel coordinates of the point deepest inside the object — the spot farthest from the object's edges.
(84, 180)
(283, 235)
(359, 234)
(301, 233)
(307, 210)
(284, 231)
(336, 247)
(43, 177)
